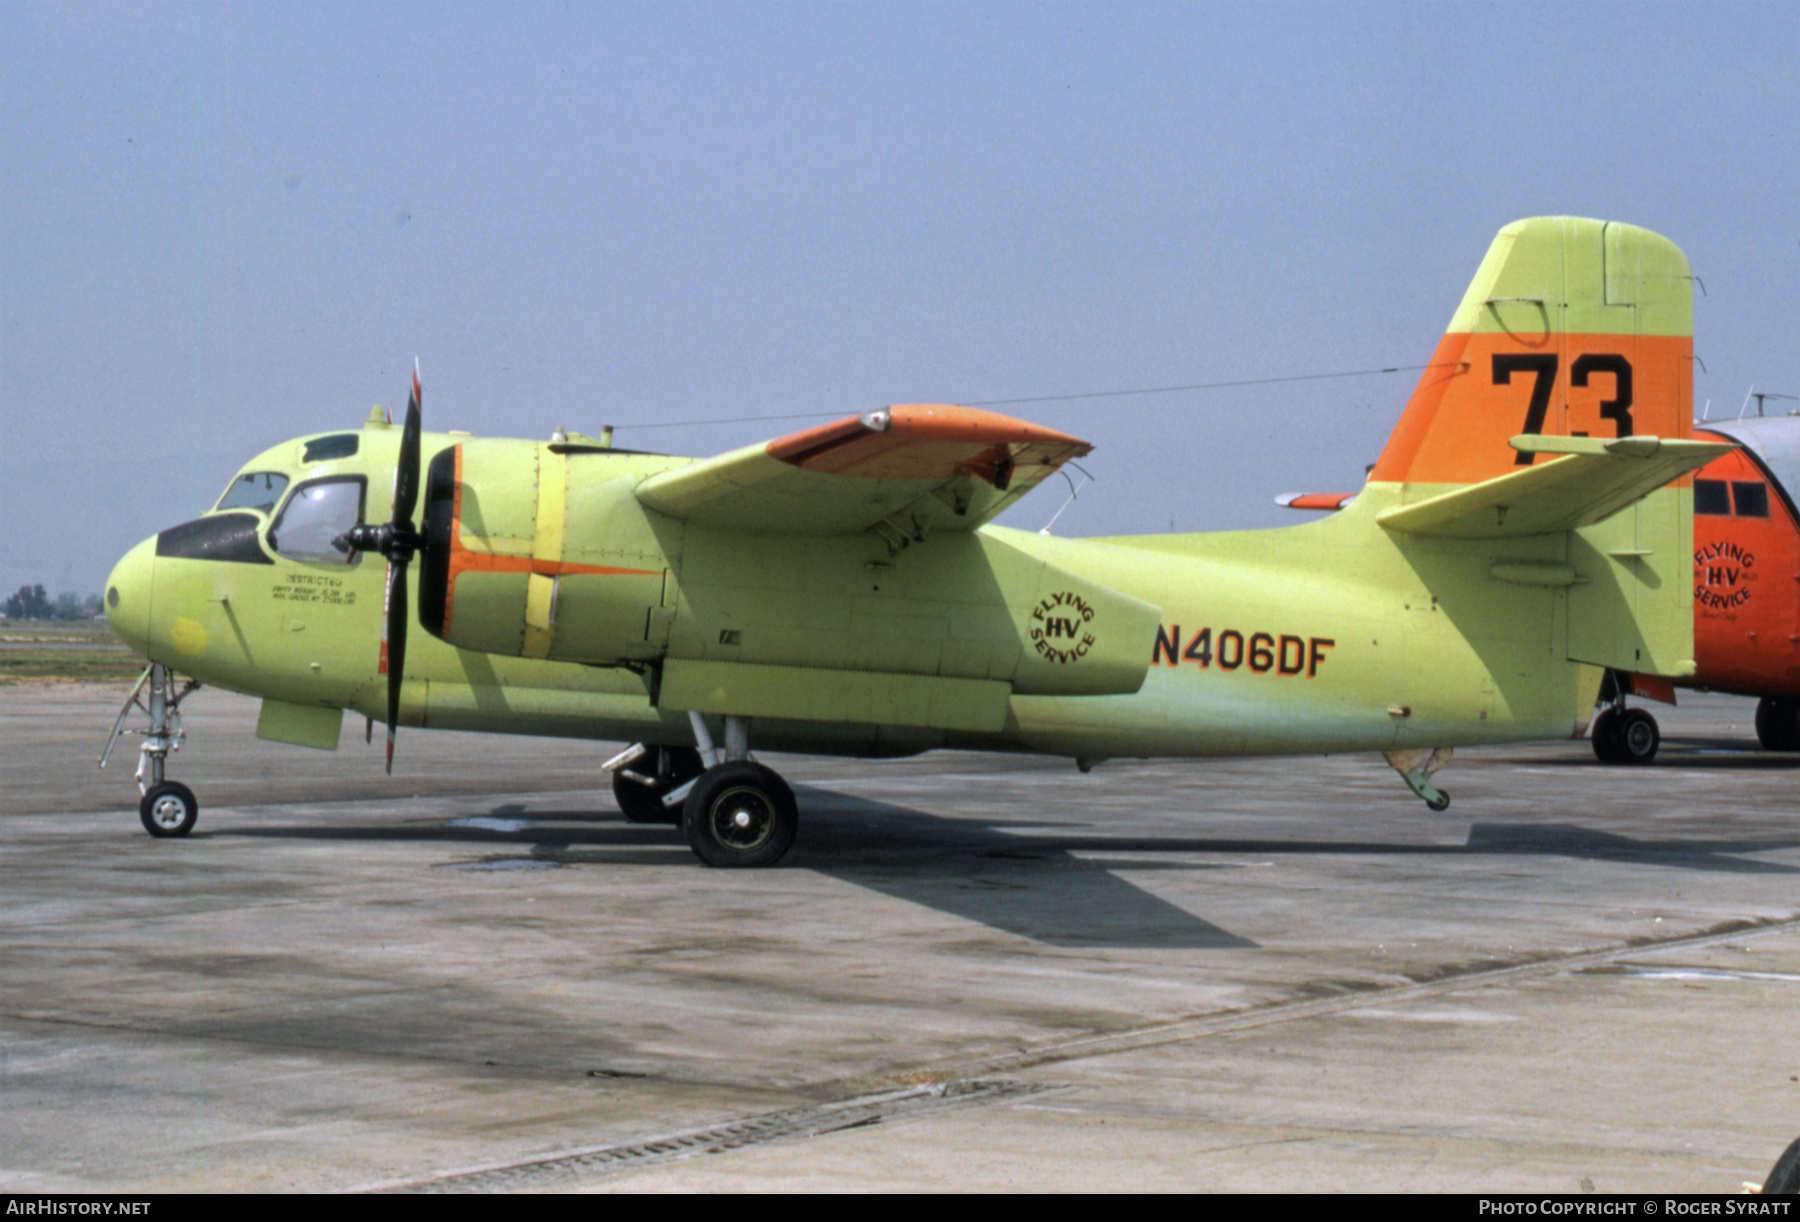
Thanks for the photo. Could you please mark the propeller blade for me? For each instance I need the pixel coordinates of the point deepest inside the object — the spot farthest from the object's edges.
(406, 472)
(398, 612)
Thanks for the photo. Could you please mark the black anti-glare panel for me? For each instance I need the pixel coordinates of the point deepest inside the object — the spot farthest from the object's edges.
(223, 536)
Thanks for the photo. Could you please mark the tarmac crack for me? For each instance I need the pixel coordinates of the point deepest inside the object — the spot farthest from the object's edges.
(787, 1124)
(1201, 1026)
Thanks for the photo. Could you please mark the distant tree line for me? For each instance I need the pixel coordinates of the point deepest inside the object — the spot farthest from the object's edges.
(32, 603)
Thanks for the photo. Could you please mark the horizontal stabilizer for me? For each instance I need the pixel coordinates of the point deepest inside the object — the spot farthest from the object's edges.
(1595, 479)
(1325, 501)
(935, 467)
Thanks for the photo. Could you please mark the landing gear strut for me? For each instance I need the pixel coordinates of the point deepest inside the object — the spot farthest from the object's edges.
(168, 808)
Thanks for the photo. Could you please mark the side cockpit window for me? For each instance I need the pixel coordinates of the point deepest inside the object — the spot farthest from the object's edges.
(256, 490)
(315, 518)
(1710, 498)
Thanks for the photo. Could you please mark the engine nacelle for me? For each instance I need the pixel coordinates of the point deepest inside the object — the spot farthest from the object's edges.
(522, 560)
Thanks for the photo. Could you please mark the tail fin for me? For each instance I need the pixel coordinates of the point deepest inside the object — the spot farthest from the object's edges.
(1580, 332)
(1572, 328)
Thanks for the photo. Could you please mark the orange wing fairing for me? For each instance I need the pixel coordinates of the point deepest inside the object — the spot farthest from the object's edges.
(927, 441)
(1485, 388)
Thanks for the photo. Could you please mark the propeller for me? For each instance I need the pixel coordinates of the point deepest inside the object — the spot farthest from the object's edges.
(398, 542)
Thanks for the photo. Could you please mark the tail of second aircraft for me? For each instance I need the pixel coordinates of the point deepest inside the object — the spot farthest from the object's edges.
(1558, 407)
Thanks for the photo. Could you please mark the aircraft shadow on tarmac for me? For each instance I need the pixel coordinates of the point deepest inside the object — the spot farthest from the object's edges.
(1722, 754)
(1055, 883)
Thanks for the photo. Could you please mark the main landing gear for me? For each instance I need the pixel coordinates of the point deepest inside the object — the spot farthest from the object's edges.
(168, 808)
(1623, 735)
(735, 813)
(1778, 724)
(644, 776)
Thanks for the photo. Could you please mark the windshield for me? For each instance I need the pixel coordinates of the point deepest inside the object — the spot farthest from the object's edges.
(254, 490)
(315, 517)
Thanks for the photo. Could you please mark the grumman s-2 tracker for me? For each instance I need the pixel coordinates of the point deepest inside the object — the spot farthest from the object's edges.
(1527, 528)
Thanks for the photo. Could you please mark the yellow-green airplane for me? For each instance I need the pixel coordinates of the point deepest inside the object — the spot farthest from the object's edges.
(1527, 526)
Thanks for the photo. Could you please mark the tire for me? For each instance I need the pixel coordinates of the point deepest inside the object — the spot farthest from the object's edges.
(675, 767)
(1605, 737)
(1784, 1178)
(169, 809)
(1637, 736)
(1778, 724)
(740, 815)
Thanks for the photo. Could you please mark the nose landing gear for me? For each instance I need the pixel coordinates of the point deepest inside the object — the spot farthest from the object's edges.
(168, 808)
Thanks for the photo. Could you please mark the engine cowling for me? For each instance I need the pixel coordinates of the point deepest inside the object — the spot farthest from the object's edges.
(523, 561)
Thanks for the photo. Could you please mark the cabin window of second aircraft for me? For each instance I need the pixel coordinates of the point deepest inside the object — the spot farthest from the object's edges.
(1712, 497)
(316, 517)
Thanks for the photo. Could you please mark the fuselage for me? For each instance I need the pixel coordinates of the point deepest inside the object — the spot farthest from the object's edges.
(1329, 636)
(1747, 561)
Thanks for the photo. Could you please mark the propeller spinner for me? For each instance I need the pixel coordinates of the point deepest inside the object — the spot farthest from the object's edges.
(398, 542)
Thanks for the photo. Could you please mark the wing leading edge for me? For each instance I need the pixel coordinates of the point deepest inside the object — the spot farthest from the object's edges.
(915, 466)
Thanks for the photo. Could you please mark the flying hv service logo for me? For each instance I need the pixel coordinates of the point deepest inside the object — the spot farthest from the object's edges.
(1723, 574)
(1060, 629)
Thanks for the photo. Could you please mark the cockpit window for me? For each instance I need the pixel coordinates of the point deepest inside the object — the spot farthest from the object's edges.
(257, 490)
(338, 445)
(315, 517)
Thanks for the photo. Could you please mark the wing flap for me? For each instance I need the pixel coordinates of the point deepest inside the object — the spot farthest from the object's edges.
(949, 467)
(1593, 480)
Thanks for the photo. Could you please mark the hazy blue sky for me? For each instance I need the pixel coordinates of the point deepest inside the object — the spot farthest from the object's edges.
(223, 225)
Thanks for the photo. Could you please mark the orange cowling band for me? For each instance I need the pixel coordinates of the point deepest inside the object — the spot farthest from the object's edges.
(462, 560)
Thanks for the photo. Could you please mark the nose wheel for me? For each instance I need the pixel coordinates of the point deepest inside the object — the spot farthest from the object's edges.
(169, 809)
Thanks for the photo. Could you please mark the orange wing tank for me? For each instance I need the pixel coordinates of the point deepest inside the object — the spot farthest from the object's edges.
(1747, 561)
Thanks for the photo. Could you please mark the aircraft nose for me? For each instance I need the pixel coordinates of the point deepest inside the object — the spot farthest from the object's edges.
(128, 592)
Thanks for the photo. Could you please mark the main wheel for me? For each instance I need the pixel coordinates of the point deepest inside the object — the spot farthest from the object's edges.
(740, 814)
(169, 809)
(1637, 736)
(1606, 737)
(1778, 724)
(675, 767)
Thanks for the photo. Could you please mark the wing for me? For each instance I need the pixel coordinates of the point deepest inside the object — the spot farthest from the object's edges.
(917, 466)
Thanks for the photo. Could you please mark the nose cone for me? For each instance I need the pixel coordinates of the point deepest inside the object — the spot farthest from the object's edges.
(128, 596)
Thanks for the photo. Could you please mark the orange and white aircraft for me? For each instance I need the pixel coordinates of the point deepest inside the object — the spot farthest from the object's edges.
(1746, 591)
